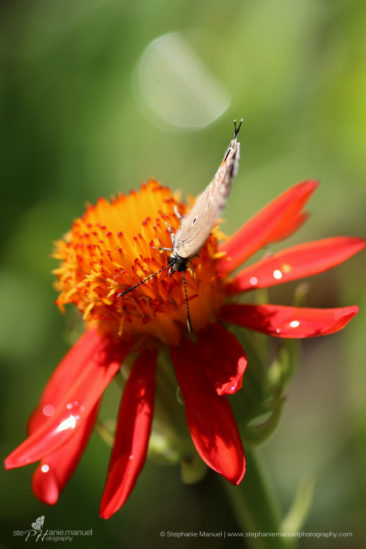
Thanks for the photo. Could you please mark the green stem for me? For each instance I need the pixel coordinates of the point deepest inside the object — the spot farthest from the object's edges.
(256, 510)
(104, 433)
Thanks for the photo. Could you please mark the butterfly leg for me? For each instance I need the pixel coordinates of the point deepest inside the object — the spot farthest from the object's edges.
(172, 235)
(177, 213)
(162, 248)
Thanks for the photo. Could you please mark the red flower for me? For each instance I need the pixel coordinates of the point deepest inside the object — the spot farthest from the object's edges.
(108, 249)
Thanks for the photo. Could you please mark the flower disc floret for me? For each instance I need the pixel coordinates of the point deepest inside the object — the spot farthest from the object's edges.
(114, 245)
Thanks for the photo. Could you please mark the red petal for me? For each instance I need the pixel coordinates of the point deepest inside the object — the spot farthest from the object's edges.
(288, 322)
(74, 407)
(63, 377)
(54, 471)
(297, 262)
(209, 416)
(223, 358)
(279, 219)
(132, 435)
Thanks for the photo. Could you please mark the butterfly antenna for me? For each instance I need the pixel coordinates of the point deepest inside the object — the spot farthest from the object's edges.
(143, 281)
(189, 323)
(237, 127)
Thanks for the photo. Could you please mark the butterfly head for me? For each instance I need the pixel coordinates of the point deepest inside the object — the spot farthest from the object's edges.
(177, 263)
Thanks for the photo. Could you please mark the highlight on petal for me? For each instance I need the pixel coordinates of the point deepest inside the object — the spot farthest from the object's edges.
(132, 434)
(279, 219)
(223, 358)
(210, 419)
(297, 262)
(63, 377)
(288, 322)
(55, 470)
(74, 407)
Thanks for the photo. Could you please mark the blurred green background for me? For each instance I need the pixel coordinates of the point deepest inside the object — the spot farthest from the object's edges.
(89, 108)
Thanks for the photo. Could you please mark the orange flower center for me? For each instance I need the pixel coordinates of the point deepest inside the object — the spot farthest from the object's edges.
(113, 246)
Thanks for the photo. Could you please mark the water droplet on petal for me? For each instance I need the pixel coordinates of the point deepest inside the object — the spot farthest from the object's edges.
(48, 410)
(294, 324)
(253, 280)
(45, 468)
(277, 274)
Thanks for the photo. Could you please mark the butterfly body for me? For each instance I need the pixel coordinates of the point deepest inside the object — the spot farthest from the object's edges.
(197, 225)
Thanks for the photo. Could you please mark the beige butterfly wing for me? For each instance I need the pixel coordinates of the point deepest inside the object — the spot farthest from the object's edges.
(198, 224)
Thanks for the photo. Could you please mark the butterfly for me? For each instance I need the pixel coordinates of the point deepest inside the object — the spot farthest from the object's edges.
(196, 227)
(37, 525)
